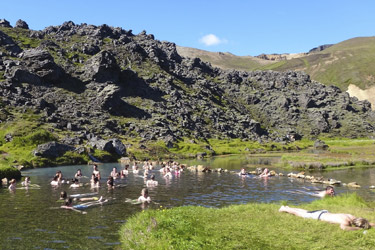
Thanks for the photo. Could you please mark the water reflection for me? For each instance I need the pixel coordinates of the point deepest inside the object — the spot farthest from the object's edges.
(37, 222)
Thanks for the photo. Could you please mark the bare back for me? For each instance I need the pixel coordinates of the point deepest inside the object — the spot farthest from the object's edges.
(342, 219)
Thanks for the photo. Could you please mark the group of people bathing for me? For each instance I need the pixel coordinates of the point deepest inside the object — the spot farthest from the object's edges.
(346, 221)
(26, 183)
(166, 170)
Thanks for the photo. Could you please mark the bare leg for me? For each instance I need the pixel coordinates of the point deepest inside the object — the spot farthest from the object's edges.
(292, 210)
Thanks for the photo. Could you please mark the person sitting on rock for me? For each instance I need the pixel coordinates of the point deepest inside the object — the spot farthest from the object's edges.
(346, 221)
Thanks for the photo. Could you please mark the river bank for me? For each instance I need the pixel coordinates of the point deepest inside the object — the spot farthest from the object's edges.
(250, 226)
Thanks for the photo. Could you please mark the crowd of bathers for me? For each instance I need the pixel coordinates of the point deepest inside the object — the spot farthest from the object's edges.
(115, 178)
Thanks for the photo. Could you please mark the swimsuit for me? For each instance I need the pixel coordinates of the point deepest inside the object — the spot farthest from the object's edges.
(80, 206)
(316, 214)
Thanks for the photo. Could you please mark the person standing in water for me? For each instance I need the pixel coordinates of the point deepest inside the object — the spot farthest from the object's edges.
(144, 196)
(12, 186)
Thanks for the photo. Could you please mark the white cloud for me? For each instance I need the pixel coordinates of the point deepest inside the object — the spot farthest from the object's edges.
(211, 39)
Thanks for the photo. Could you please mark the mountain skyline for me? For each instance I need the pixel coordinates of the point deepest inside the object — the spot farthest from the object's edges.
(239, 27)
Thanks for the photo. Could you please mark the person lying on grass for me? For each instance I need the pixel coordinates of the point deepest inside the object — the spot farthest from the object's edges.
(346, 221)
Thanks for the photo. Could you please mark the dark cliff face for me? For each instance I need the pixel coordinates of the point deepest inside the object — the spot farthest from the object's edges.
(107, 81)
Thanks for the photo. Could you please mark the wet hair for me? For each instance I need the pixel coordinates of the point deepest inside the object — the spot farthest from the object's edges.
(68, 201)
(144, 192)
(360, 222)
(110, 181)
(329, 187)
(27, 178)
(55, 178)
(63, 195)
(152, 177)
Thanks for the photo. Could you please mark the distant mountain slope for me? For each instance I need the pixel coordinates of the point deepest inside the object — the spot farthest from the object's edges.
(224, 60)
(349, 62)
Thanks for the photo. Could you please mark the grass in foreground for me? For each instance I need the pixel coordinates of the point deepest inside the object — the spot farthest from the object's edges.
(250, 226)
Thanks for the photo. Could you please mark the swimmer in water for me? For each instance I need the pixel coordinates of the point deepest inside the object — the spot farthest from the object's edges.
(329, 191)
(75, 184)
(12, 186)
(114, 173)
(64, 196)
(55, 181)
(77, 208)
(125, 171)
(242, 172)
(168, 173)
(265, 173)
(26, 182)
(94, 181)
(78, 174)
(152, 182)
(96, 172)
(144, 196)
(110, 182)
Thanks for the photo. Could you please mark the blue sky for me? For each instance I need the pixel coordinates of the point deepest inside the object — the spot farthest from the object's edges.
(240, 27)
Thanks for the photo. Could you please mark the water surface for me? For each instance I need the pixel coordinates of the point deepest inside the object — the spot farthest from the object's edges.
(31, 219)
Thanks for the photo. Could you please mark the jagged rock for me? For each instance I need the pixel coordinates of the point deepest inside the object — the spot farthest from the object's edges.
(318, 144)
(52, 149)
(111, 146)
(5, 23)
(101, 68)
(100, 71)
(21, 24)
(201, 155)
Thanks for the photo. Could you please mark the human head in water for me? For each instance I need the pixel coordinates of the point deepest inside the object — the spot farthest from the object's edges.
(330, 191)
(63, 195)
(144, 192)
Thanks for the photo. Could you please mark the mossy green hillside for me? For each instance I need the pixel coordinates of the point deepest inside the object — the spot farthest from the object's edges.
(250, 226)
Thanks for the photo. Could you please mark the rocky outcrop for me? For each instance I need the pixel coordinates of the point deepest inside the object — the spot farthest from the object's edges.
(35, 66)
(52, 149)
(105, 81)
(5, 23)
(112, 145)
(21, 24)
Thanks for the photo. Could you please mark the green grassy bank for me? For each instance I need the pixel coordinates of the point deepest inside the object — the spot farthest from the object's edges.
(250, 226)
(9, 173)
(342, 153)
